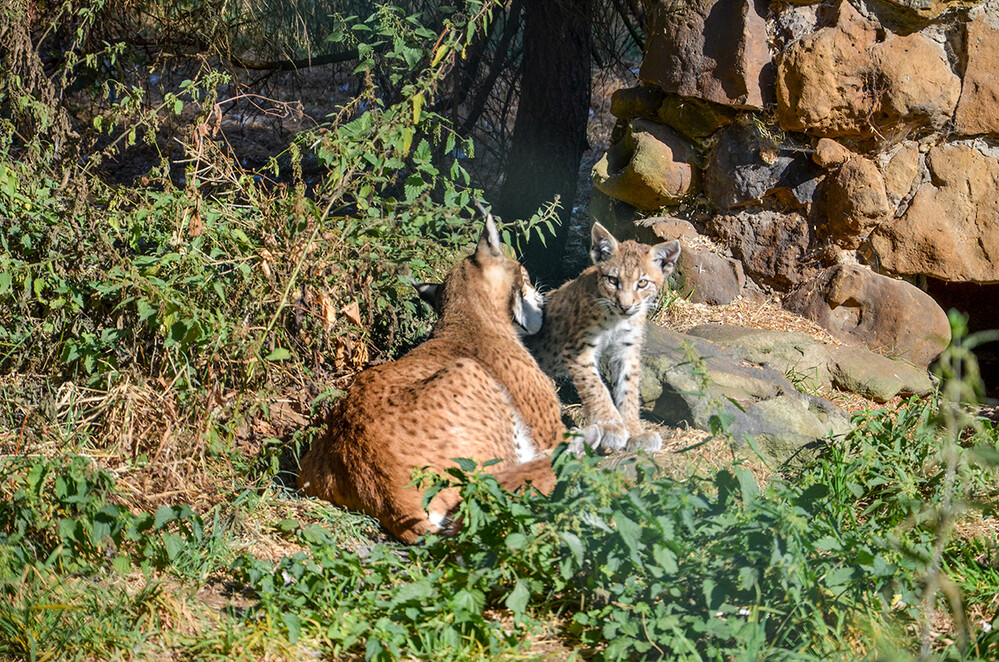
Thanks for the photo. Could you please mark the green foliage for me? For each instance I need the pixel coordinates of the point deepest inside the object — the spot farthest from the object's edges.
(55, 514)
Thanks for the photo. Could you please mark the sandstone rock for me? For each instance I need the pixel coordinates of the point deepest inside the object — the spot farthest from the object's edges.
(901, 171)
(851, 202)
(920, 88)
(841, 81)
(688, 380)
(976, 110)
(829, 153)
(951, 229)
(649, 168)
(772, 245)
(745, 166)
(709, 49)
(928, 9)
(822, 78)
(704, 277)
(791, 23)
(813, 365)
(694, 118)
(639, 101)
(668, 229)
(860, 307)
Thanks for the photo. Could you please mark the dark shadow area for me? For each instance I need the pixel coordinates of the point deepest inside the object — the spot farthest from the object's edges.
(981, 304)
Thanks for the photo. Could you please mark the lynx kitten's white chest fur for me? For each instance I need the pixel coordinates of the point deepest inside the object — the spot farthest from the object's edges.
(598, 321)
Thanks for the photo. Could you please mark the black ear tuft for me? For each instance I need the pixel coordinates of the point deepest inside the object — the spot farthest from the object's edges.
(602, 244)
(665, 255)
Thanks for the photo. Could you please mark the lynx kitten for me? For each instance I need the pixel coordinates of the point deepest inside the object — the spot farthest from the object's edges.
(598, 321)
(471, 391)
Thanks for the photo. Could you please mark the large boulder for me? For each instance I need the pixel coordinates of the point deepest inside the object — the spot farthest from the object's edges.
(919, 88)
(851, 202)
(692, 381)
(709, 49)
(705, 277)
(976, 110)
(950, 230)
(771, 245)
(649, 168)
(928, 9)
(814, 365)
(823, 78)
(747, 165)
(841, 81)
(863, 308)
(701, 276)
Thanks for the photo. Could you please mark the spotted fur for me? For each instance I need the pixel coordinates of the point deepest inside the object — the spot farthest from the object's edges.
(471, 391)
(598, 321)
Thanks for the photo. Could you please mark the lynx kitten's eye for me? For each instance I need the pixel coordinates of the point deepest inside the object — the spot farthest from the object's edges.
(642, 283)
(611, 280)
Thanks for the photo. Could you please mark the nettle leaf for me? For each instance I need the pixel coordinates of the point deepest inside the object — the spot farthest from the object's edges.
(516, 541)
(518, 599)
(575, 546)
(279, 354)
(631, 534)
(173, 544)
(747, 483)
(164, 514)
(467, 601)
(122, 564)
(294, 625)
(413, 592)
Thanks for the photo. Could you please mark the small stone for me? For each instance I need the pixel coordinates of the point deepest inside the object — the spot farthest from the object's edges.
(829, 153)
(901, 171)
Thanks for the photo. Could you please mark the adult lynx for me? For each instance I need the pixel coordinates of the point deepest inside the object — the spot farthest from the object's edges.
(471, 391)
(598, 320)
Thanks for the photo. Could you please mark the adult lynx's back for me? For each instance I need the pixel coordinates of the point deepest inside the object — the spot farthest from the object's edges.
(472, 390)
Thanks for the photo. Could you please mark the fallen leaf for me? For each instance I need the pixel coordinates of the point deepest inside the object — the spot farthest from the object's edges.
(353, 312)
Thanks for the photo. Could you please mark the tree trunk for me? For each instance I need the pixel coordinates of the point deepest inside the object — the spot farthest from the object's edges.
(549, 135)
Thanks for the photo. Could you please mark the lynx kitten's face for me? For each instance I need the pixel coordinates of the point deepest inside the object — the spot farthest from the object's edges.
(630, 275)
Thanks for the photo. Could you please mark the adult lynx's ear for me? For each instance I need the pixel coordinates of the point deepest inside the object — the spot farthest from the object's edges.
(665, 255)
(489, 240)
(602, 244)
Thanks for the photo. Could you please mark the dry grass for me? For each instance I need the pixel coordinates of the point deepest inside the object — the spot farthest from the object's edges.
(758, 313)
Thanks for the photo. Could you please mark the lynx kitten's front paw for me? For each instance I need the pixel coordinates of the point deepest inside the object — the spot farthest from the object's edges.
(609, 436)
(650, 442)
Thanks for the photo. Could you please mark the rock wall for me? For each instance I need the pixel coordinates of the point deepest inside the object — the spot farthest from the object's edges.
(839, 151)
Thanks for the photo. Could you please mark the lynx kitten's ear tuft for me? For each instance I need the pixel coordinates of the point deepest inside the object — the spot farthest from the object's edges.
(602, 244)
(666, 254)
(489, 240)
